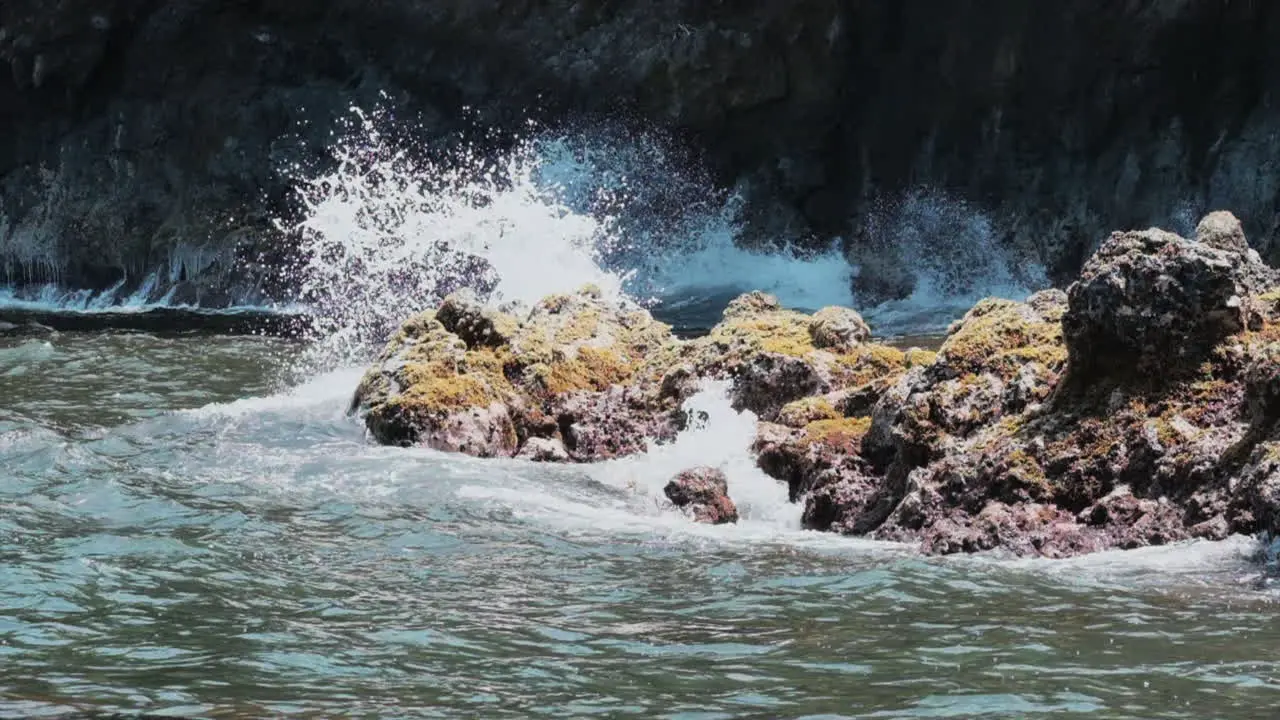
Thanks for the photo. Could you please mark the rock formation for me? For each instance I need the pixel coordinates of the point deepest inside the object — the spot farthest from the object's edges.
(1140, 407)
(704, 493)
(586, 378)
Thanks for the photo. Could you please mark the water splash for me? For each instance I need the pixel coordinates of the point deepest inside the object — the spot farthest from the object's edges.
(720, 436)
(681, 247)
(388, 232)
(946, 253)
(392, 228)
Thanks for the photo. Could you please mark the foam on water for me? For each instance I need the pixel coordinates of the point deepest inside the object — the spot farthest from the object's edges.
(328, 391)
(151, 294)
(719, 437)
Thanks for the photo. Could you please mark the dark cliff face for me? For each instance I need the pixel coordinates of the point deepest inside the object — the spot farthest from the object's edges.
(129, 126)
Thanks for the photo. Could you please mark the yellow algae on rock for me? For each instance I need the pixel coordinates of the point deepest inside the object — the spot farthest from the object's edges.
(801, 412)
(1001, 336)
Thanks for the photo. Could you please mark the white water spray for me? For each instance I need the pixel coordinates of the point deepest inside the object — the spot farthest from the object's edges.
(387, 233)
(954, 256)
(719, 437)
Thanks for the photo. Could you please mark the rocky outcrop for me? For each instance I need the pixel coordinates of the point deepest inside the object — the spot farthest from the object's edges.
(704, 494)
(777, 356)
(1141, 407)
(1150, 302)
(1133, 411)
(134, 128)
(578, 377)
(581, 377)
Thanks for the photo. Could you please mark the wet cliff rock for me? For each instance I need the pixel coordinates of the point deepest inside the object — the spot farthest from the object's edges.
(134, 128)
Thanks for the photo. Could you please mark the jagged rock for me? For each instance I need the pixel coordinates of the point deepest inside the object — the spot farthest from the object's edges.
(468, 378)
(615, 422)
(778, 356)
(809, 410)
(769, 381)
(1222, 231)
(1134, 522)
(1026, 529)
(983, 450)
(704, 493)
(999, 359)
(820, 452)
(1259, 501)
(1153, 302)
(543, 449)
(842, 502)
(599, 377)
(478, 325)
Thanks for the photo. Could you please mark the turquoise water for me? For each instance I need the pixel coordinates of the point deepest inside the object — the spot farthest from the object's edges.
(181, 532)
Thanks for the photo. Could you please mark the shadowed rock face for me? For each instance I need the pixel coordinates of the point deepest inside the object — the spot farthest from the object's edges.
(1149, 302)
(160, 122)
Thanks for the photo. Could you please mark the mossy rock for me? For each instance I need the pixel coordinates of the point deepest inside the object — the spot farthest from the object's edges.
(807, 410)
(1001, 336)
(842, 435)
(444, 372)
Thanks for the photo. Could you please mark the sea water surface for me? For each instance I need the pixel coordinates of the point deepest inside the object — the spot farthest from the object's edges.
(185, 529)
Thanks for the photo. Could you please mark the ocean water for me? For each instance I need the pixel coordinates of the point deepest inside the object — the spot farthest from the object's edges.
(185, 531)
(193, 524)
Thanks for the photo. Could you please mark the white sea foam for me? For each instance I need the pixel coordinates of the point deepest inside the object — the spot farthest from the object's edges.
(328, 392)
(719, 437)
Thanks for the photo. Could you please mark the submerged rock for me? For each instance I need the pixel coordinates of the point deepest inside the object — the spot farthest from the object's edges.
(704, 493)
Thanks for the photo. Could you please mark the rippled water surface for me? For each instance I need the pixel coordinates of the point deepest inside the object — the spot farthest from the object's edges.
(181, 533)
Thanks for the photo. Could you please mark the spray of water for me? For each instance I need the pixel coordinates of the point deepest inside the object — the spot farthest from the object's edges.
(719, 437)
(946, 253)
(387, 232)
(390, 229)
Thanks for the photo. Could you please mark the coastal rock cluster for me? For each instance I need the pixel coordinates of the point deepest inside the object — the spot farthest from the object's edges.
(1139, 407)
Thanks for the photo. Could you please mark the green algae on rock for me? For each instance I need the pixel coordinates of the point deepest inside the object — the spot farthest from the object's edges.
(469, 378)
